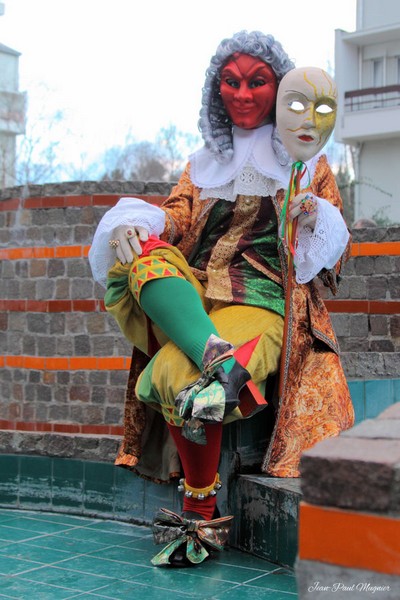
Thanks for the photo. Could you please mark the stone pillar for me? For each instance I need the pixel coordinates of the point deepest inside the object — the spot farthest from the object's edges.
(349, 534)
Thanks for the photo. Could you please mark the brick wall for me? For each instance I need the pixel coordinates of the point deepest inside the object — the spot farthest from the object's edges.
(63, 360)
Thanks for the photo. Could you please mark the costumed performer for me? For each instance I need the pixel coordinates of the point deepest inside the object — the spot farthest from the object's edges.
(204, 276)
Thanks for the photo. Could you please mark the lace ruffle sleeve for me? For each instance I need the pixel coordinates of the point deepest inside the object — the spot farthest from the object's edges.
(322, 247)
(127, 211)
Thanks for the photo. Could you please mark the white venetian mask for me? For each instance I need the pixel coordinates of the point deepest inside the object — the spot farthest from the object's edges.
(306, 111)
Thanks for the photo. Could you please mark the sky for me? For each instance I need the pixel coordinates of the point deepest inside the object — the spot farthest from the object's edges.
(131, 67)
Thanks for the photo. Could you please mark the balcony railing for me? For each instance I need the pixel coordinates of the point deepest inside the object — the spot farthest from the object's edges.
(371, 98)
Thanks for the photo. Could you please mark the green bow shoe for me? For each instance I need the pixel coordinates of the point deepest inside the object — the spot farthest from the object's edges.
(189, 540)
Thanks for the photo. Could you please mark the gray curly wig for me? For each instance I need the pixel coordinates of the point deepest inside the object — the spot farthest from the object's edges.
(214, 123)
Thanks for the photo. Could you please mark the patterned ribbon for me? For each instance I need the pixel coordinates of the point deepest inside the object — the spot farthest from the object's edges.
(204, 400)
(176, 530)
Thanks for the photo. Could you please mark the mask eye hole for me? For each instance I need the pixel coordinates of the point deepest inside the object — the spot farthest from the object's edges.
(296, 105)
(324, 109)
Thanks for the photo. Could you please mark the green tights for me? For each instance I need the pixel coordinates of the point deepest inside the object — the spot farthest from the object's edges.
(175, 306)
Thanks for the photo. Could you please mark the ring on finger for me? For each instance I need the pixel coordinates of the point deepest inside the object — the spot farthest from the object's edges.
(308, 205)
(114, 243)
(130, 233)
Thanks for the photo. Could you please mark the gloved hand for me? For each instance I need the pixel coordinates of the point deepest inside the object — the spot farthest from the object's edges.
(127, 238)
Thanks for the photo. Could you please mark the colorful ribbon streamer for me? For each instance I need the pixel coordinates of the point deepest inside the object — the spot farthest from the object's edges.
(287, 230)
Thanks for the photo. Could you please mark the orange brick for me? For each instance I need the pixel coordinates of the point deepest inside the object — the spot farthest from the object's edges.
(33, 203)
(15, 361)
(57, 363)
(34, 362)
(105, 199)
(96, 429)
(375, 249)
(84, 305)
(53, 202)
(24, 426)
(111, 363)
(78, 200)
(12, 204)
(43, 252)
(82, 363)
(350, 539)
(69, 251)
(39, 426)
(66, 428)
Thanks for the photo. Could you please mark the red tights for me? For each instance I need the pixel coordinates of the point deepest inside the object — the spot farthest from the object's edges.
(200, 465)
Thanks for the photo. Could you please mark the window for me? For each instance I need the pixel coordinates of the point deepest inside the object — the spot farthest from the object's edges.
(377, 73)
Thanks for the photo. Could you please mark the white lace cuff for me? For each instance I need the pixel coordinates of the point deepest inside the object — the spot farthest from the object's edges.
(127, 211)
(321, 248)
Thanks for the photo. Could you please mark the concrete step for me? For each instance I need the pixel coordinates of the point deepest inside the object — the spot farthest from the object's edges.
(266, 517)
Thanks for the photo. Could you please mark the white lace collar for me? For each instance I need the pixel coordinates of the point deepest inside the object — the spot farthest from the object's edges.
(251, 148)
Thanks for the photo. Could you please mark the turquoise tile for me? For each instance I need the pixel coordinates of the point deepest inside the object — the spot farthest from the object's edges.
(134, 556)
(239, 559)
(258, 536)
(276, 581)
(36, 525)
(20, 588)
(128, 494)
(123, 590)
(7, 513)
(99, 537)
(35, 482)
(215, 569)
(118, 527)
(102, 566)
(287, 529)
(184, 581)
(60, 542)
(13, 566)
(67, 483)
(9, 480)
(357, 392)
(160, 496)
(11, 534)
(378, 396)
(250, 593)
(64, 519)
(396, 390)
(56, 566)
(98, 488)
(26, 551)
(145, 543)
(70, 580)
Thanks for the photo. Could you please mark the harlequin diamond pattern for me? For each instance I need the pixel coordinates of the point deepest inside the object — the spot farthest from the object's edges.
(150, 268)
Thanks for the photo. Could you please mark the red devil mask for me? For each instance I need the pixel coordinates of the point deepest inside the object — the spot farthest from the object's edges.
(248, 90)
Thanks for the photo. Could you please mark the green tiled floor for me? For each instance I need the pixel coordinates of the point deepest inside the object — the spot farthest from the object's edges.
(54, 556)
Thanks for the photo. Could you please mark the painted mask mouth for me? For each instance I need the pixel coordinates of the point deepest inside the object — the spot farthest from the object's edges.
(306, 138)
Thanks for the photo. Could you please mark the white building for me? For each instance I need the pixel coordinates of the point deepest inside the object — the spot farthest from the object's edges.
(12, 112)
(367, 72)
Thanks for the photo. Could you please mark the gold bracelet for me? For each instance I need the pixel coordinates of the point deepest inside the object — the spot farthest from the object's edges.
(200, 493)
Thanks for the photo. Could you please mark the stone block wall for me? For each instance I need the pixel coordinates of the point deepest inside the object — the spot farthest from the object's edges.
(64, 361)
(349, 535)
